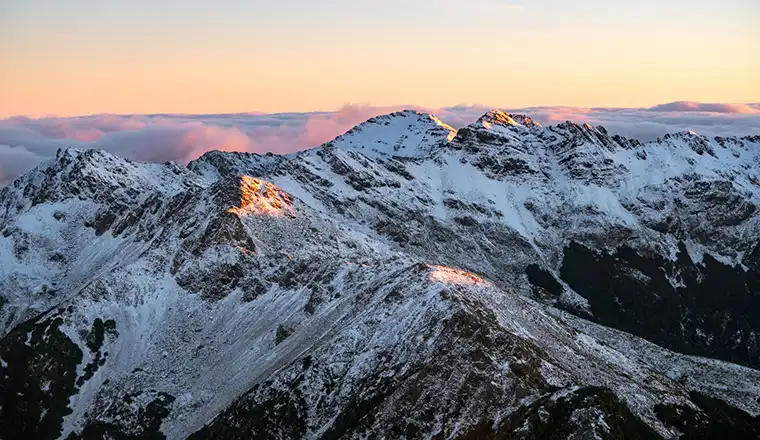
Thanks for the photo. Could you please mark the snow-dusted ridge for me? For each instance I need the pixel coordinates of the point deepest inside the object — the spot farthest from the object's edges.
(407, 133)
(405, 280)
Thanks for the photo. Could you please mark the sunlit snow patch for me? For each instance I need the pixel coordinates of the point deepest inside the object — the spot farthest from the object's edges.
(262, 198)
(449, 275)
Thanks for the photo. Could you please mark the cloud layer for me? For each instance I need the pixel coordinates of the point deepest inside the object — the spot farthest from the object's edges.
(24, 142)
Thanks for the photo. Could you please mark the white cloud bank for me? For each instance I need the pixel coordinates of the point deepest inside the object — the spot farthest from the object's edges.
(24, 142)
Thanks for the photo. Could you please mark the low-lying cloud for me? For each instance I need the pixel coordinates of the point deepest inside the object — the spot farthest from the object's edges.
(688, 106)
(24, 142)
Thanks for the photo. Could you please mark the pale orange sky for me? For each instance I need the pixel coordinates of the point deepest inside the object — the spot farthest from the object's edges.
(84, 57)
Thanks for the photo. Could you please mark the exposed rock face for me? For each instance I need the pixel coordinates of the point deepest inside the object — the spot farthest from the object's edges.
(402, 281)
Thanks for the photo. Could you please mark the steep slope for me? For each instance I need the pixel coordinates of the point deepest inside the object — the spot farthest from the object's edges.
(507, 198)
(398, 282)
(53, 220)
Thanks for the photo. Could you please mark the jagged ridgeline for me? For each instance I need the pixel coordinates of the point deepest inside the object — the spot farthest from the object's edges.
(406, 280)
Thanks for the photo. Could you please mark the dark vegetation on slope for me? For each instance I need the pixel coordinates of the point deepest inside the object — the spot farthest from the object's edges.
(712, 312)
(144, 424)
(543, 281)
(38, 375)
(578, 414)
(716, 420)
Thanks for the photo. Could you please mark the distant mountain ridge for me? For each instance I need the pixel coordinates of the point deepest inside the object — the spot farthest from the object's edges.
(405, 280)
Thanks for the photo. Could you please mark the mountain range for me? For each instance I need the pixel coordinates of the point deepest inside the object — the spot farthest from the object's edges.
(406, 280)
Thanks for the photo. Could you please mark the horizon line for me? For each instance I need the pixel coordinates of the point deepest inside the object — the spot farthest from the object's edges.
(391, 109)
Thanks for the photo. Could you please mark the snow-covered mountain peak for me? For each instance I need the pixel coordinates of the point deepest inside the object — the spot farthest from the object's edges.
(94, 175)
(406, 133)
(575, 127)
(685, 134)
(700, 144)
(501, 118)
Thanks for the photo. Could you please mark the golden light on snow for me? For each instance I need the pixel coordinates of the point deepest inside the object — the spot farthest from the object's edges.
(262, 198)
(452, 130)
(450, 275)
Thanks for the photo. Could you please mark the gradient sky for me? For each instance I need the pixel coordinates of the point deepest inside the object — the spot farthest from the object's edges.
(190, 56)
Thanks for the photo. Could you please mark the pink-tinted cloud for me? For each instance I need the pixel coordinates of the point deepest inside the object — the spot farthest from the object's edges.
(15, 161)
(689, 106)
(178, 138)
(181, 138)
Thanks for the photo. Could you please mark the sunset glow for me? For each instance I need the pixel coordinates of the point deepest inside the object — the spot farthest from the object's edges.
(83, 57)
